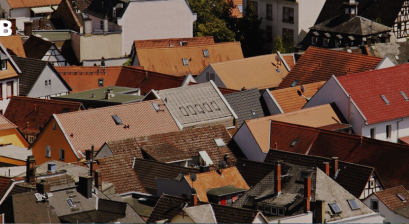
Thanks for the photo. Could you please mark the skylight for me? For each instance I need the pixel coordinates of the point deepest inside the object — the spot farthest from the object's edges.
(70, 202)
(404, 95)
(185, 62)
(219, 142)
(191, 110)
(401, 197)
(215, 106)
(294, 142)
(254, 114)
(335, 208)
(117, 120)
(183, 110)
(206, 53)
(384, 99)
(295, 83)
(199, 108)
(206, 105)
(354, 205)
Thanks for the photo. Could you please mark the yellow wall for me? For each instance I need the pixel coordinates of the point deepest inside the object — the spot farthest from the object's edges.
(12, 161)
(14, 137)
(57, 141)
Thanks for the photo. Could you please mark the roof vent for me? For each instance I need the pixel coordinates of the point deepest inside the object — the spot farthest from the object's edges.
(52, 168)
(385, 100)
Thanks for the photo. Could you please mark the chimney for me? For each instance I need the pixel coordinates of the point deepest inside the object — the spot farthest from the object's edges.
(41, 23)
(105, 25)
(97, 179)
(13, 26)
(43, 187)
(87, 26)
(307, 194)
(31, 169)
(194, 199)
(325, 167)
(277, 178)
(226, 158)
(319, 212)
(350, 9)
(87, 154)
(334, 166)
(51, 168)
(102, 62)
(204, 169)
(85, 186)
(28, 28)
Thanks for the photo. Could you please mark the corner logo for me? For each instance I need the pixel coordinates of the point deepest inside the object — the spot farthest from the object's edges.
(5, 28)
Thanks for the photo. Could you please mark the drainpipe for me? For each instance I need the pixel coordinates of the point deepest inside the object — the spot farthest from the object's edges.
(349, 109)
(397, 130)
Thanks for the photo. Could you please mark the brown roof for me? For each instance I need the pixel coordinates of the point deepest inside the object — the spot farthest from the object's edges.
(289, 59)
(254, 72)
(5, 124)
(126, 147)
(391, 200)
(96, 126)
(5, 183)
(169, 60)
(32, 114)
(235, 12)
(214, 179)
(166, 43)
(81, 78)
(36, 47)
(118, 171)
(31, 3)
(319, 64)
(13, 43)
(26, 209)
(289, 99)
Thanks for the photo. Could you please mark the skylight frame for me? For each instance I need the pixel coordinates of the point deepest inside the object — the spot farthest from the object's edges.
(185, 61)
(294, 142)
(353, 204)
(117, 120)
(206, 53)
(385, 99)
(404, 96)
(400, 196)
(295, 83)
(335, 208)
(71, 203)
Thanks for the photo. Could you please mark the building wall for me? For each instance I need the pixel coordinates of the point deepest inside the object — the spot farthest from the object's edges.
(248, 145)
(160, 19)
(54, 56)
(6, 7)
(370, 189)
(380, 129)
(302, 218)
(57, 88)
(12, 162)
(309, 11)
(271, 103)
(4, 102)
(14, 137)
(55, 139)
(181, 217)
(390, 216)
(20, 12)
(201, 78)
(173, 187)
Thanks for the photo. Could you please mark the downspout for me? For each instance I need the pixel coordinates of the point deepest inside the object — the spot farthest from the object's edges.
(349, 109)
(397, 130)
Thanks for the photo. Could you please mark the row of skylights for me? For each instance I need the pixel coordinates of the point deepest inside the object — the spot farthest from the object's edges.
(401, 93)
(185, 61)
(198, 109)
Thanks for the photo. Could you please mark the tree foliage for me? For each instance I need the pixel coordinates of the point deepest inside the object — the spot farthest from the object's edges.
(285, 45)
(278, 45)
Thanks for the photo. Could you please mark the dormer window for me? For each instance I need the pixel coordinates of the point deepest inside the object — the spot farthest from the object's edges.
(353, 11)
(4, 65)
(185, 61)
(347, 11)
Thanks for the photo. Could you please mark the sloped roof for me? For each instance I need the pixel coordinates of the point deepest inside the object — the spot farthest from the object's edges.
(36, 47)
(126, 147)
(32, 114)
(65, 10)
(398, 52)
(253, 171)
(181, 145)
(244, 102)
(175, 42)
(235, 11)
(289, 99)
(5, 124)
(82, 78)
(319, 64)
(289, 59)
(367, 88)
(169, 60)
(254, 72)
(31, 3)
(166, 208)
(13, 43)
(213, 179)
(96, 126)
(26, 209)
(391, 200)
(119, 172)
(133, 77)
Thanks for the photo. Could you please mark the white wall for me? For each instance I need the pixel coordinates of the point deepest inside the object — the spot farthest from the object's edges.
(390, 216)
(309, 11)
(160, 19)
(201, 78)
(20, 12)
(385, 63)
(380, 130)
(248, 144)
(272, 104)
(173, 187)
(5, 101)
(54, 56)
(57, 88)
(369, 190)
(302, 218)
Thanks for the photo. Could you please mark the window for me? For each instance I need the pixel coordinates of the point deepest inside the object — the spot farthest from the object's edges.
(269, 13)
(255, 4)
(101, 25)
(269, 34)
(54, 126)
(352, 11)
(228, 201)
(337, 43)
(10, 89)
(117, 120)
(4, 65)
(47, 151)
(46, 83)
(372, 133)
(404, 95)
(1, 90)
(335, 208)
(354, 205)
(295, 83)
(267, 209)
(372, 183)
(288, 34)
(240, 7)
(206, 53)
(49, 82)
(185, 62)
(294, 142)
(374, 205)
(325, 42)
(62, 154)
(301, 176)
(70, 203)
(219, 142)
(101, 82)
(274, 211)
(210, 76)
(30, 139)
(281, 211)
(199, 108)
(253, 112)
(385, 99)
(388, 131)
(314, 40)
(206, 105)
(288, 15)
(191, 110)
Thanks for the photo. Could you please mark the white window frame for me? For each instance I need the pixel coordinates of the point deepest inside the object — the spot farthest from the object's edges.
(274, 212)
(371, 204)
(4, 65)
(48, 151)
(62, 154)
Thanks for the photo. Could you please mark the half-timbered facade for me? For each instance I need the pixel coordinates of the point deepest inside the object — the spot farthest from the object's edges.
(401, 26)
(39, 48)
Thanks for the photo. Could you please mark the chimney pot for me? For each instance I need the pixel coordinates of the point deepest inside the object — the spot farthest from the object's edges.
(28, 28)
(277, 178)
(307, 194)
(334, 167)
(325, 167)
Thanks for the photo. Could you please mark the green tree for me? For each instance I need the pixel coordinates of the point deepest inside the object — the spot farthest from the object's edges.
(128, 62)
(288, 42)
(278, 45)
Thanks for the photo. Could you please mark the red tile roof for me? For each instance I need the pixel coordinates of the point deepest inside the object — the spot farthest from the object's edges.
(81, 78)
(96, 126)
(390, 199)
(5, 124)
(165, 43)
(32, 114)
(366, 89)
(32, 3)
(15, 44)
(318, 64)
(289, 59)
(5, 183)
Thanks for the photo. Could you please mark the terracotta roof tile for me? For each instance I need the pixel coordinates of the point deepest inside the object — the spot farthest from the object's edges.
(96, 126)
(391, 200)
(32, 114)
(318, 64)
(13, 43)
(290, 100)
(366, 89)
(31, 3)
(213, 179)
(126, 147)
(169, 60)
(118, 171)
(166, 43)
(235, 11)
(81, 78)
(6, 124)
(289, 59)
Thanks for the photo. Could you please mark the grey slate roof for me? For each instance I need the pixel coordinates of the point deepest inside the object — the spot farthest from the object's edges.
(391, 50)
(244, 102)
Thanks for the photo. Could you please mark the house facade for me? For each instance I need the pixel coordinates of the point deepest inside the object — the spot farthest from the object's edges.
(9, 80)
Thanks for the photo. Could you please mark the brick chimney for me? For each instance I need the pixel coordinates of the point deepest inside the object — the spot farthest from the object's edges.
(13, 26)
(325, 167)
(307, 194)
(31, 169)
(43, 187)
(97, 179)
(334, 166)
(319, 212)
(277, 178)
(85, 186)
(194, 199)
(28, 28)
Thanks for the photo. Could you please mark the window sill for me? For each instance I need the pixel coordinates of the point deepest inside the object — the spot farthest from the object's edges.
(48, 156)
(8, 97)
(286, 21)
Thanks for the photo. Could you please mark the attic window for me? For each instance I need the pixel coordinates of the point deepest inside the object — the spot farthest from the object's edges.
(384, 99)
(404, 95)
(70, 203)
(354, 205)
(206, 53)
(199, 108)
(4, 65)
(117, 120)
(185, 62)
(240, 7)
(335, 208)
(215, 106)
(191, 110)
(184, 111)
(254, 114)
(301, 177)
(295, 83)
(219, 142)
(206, 105)
(294, 142)
(401, 197)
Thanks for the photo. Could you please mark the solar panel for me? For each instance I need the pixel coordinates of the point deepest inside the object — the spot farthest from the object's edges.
(354, 205)
(295, 83)
(335, 208)
(401, 197)
(404, 95)
(384, 99)
(117, 120)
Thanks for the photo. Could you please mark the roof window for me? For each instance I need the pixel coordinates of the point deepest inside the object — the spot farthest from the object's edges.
(185, 62)
(219, 142)
(335, 208)
(404, 95)
(215, 106)
(191, 110)
(156, 107)
(70, 203)
(199, 108)
(401, 197)
(240, 7)
(294, 142)
(384, 99)
(295, 83)
(253, 112)
(354, 205)
(278, 70)
(206, 105)
(117, 120)
(170, 45)
(206, 53)
(184, 111)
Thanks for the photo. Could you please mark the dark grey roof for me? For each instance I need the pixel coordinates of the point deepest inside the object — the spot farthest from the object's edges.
(391, 50)
(103, 8)
(356, 26)
(244, 102)
(226, 190)
(247, 167)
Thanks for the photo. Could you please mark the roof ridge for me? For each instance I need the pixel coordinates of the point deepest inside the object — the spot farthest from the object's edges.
(244, 59)
(45, 100)
(342, 52)
(154, 73)
(189, 47)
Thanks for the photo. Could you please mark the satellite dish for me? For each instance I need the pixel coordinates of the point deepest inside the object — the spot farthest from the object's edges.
(302, 88)
(193, 177)
(222, 164)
